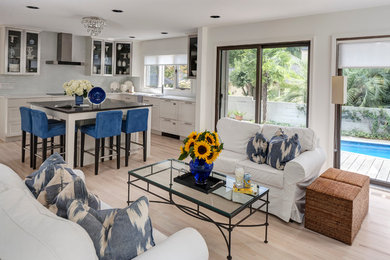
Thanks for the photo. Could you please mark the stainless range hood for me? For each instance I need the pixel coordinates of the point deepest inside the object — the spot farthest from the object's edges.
(64, 51)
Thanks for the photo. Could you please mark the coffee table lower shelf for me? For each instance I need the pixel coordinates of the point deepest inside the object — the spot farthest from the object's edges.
(226, 228)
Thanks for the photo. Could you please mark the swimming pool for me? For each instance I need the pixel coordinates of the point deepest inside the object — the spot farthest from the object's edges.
(373, 149)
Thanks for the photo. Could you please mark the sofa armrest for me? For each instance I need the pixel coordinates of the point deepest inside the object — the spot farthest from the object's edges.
(306, 166)
(185, 244)
(79, 173)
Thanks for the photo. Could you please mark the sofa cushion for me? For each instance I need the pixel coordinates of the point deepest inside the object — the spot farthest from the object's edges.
(235, 134)
(307, 137)
(257, 148)
(116, 233)
(227, 161)
(263, 173)
(30, 231)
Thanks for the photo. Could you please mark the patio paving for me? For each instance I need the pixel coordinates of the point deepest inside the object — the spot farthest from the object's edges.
(374, 167)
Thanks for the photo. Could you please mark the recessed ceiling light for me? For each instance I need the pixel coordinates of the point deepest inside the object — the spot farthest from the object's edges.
(32, 7)
(131, 37)
(164, 33)
(117, 11)
(215, 16)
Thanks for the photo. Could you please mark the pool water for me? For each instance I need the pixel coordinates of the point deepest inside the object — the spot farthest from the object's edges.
(373, 149)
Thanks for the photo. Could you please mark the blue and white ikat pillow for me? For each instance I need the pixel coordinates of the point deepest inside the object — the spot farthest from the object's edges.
(282, 149)
(257, 148)
(119, 234)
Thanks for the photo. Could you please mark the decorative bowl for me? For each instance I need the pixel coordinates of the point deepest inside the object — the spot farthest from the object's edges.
(96, 95)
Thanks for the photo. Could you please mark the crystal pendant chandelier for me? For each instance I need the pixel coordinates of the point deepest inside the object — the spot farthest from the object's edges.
(94, 25)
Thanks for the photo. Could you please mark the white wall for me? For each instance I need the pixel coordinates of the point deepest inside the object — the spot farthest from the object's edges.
(320, 29)
(52, 77)
(168, 46)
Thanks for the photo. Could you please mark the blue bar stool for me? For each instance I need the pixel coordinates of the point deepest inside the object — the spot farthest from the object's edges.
(136, 121)
(108, 124)
(44, 129)
(26, 126)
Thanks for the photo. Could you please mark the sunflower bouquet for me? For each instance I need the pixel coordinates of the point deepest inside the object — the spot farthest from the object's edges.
(204, 146)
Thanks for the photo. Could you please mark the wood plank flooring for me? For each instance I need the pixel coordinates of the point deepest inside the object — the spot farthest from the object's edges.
(374, 167)
(286, 240)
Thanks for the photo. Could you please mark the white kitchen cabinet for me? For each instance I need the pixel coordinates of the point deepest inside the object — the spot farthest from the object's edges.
(168, 109)
(20, 54)
(186, 112)
(100, 58)
(169, 126)
(10, 122)
(155, 102)
(130, 98)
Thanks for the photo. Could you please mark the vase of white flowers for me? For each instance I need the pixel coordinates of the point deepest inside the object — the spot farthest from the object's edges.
(78, 88)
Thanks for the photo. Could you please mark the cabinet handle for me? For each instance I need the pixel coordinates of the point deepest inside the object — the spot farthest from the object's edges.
(173, 123)
(188, 102)
(174, 104)
(187, 123)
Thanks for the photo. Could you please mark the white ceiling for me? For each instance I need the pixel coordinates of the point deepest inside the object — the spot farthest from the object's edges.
(145, 19)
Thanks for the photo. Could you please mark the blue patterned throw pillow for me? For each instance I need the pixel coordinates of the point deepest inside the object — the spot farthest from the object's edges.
(257, 148)
(75, 190)
(282, 149)
(38, 180)
(116, 233)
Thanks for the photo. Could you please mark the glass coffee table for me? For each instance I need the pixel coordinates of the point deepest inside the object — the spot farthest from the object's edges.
(220, 199)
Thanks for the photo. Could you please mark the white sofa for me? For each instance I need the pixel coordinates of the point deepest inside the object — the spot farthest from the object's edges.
(288, 186)
(30, 231)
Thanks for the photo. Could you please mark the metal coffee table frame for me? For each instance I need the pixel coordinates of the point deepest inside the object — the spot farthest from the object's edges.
(228, 227)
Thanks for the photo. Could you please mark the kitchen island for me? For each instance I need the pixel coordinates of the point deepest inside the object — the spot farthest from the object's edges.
(66, 111)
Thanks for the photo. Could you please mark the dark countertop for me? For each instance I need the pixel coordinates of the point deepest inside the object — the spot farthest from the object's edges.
(108, 104)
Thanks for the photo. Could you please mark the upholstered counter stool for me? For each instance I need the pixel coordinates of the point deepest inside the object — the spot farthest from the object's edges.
(45, 128)
(337, 203)
(136, 121)
(108, 124)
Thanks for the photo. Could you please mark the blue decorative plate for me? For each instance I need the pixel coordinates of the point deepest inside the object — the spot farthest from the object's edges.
(96, 95)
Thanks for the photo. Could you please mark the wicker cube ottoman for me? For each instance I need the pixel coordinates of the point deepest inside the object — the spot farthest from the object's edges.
(337, 203)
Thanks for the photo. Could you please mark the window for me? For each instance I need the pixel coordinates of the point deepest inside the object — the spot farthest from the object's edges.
(264, 83)
(168, 71)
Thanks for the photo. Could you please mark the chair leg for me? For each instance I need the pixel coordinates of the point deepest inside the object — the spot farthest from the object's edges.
(97, 149)
(118, 151)
(102, 148)
(82, 149)
(75, 151)
(52, 145)
(44, 149)
(111, 146)
(35, 145)
(23, 146)
(127, 149)
(31, 149)
(144, 144)
(62, 144)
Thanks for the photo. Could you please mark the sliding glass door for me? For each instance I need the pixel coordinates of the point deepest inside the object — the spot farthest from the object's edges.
(238, 83)
(284, 85)
(264, 83)
(362, 142)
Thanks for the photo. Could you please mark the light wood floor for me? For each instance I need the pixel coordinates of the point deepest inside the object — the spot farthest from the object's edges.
(375, 167)
(286, 240)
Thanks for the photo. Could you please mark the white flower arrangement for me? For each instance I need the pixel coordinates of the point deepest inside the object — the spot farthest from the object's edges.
(77, 87)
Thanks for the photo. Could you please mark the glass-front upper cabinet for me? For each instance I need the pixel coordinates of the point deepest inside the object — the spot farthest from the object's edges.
(32, 52)
(97, 57)
(108, 58)
(123, 58)
(20, 54)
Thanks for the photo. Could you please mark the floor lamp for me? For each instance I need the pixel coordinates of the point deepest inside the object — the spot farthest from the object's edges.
(339, 97)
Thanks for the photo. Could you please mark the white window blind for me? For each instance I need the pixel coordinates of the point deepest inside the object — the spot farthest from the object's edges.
(179, 59)
(364, 54)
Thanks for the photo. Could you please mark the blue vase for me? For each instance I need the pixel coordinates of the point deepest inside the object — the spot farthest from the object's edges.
(78, 100)
(200, 170)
